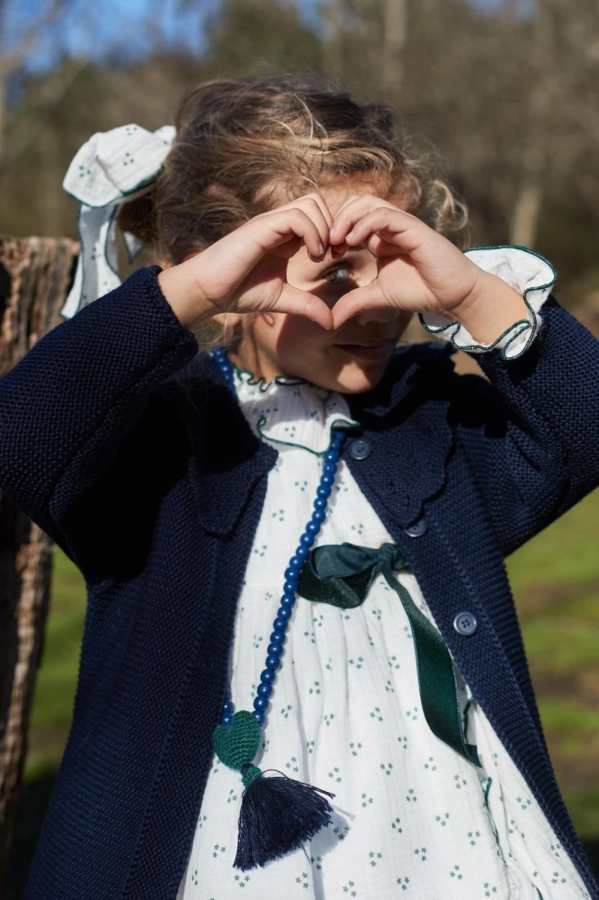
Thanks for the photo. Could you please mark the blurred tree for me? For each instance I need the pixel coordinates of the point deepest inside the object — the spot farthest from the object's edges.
(251, 36)
(13, 58)
(508, 94)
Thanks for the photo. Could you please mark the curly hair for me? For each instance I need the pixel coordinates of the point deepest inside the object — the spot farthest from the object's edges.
(244, 146)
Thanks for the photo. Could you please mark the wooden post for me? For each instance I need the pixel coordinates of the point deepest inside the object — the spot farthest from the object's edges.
(35, 274)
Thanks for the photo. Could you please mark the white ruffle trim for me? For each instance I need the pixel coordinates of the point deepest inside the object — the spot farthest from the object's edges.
(291, 411)
(527, 272)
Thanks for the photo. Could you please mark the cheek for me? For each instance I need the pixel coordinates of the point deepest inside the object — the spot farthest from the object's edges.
(299, 337)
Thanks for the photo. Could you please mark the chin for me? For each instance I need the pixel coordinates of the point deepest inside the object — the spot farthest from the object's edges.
(358, 380)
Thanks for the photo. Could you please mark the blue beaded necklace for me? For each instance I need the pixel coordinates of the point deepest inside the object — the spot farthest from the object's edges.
(277, 814)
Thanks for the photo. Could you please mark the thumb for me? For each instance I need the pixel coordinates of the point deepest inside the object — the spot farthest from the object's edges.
(302, 303)
(349, 305)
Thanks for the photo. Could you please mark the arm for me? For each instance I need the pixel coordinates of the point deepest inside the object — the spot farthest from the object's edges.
(532, 436)
(84, 430)
(66, 406)
(533, 442)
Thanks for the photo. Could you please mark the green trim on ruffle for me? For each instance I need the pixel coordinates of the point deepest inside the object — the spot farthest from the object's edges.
(262, 384)
(525, 323)
(347, 423)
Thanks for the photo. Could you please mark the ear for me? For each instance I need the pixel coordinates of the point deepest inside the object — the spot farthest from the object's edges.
(191, 255)
(228, 320)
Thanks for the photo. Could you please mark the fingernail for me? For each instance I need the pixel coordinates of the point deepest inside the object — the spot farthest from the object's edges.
(332, 232)
(350, 235)
(321, 248)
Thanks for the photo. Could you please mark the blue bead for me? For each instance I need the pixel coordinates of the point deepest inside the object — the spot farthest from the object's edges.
(320, 504)
(261, 703)
(318, 516)
(307, 539)
(274, 649)
(280, 624)
(323, 490)
(273, 661)
(288, 599)
(331, 456)
(290, 587)
(264, 689)
(329, 469)
(259, 716)
(292, 573)
(226, 719)
(267, 676)
(284, 612)
(278, 637)
(302, 552)
(228, 694)
(312, 528)
(326, 480)
(228, 706)
(295, 563)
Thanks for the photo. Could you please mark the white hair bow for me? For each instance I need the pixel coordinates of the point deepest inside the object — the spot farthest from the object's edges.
(110, 169)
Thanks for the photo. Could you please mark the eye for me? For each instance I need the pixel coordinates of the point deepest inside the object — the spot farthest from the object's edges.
(340, 272)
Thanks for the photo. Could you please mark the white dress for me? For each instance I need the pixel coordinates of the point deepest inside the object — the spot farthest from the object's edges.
(411, 815)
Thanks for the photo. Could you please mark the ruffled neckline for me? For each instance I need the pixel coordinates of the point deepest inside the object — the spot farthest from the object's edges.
(292, 412)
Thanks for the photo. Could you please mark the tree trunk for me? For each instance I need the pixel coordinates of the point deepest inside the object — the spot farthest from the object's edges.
(35, 274)
(536, 133)
(394, 41)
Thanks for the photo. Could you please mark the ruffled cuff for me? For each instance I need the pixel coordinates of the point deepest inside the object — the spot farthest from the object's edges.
(527, 272)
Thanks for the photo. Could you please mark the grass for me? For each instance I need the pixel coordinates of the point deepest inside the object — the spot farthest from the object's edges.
(555, 579)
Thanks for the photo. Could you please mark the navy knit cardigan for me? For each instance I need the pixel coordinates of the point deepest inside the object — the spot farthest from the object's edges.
(125, 445)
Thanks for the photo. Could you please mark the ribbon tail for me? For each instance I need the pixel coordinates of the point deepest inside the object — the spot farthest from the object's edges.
(436, 678)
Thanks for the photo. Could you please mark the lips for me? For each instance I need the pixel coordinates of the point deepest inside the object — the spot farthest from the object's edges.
(369, 349)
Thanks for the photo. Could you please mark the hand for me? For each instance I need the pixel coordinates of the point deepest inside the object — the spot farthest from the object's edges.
(246, 270)
(419, 270)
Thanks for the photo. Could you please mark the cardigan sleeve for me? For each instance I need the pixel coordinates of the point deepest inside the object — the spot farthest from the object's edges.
(532, 435)
(65, 408)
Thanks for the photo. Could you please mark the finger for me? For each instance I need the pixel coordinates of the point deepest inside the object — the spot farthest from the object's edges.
(313, 195)
(280, 225)
(314, 205)
(302, 303)
(317, 210)
(369, 296)
(322, 204)
(394, 226)
(353, 210)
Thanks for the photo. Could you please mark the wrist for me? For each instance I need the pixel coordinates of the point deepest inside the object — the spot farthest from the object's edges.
(185, 296)
(491, 308)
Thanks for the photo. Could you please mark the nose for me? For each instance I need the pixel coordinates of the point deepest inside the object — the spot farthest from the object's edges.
(383, 315)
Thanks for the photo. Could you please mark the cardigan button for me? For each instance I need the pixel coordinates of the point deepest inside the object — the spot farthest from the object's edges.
(418, 529)
(465, 624)
(360, 449)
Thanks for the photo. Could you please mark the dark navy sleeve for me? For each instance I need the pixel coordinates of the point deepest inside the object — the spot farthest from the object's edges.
(532, 436)
(65, 407)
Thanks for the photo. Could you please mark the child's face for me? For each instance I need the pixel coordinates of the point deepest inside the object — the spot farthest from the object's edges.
(351, 359)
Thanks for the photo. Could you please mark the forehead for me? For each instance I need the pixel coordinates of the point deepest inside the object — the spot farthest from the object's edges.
(337, 190)
(336, 195)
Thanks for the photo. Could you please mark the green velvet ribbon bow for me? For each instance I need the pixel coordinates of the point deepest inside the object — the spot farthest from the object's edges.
(342, 574)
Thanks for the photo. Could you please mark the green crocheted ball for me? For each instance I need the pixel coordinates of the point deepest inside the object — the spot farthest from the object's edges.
(237, 744)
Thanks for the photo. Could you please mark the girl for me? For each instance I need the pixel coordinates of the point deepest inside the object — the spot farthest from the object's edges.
(302, 672)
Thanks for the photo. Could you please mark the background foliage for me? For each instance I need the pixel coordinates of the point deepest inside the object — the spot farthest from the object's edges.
(506, 89)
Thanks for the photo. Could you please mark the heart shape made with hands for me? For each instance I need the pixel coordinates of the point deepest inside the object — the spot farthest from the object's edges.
(418, 269)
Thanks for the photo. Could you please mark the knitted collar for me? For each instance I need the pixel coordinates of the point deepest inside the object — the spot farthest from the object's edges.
(406, 419)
